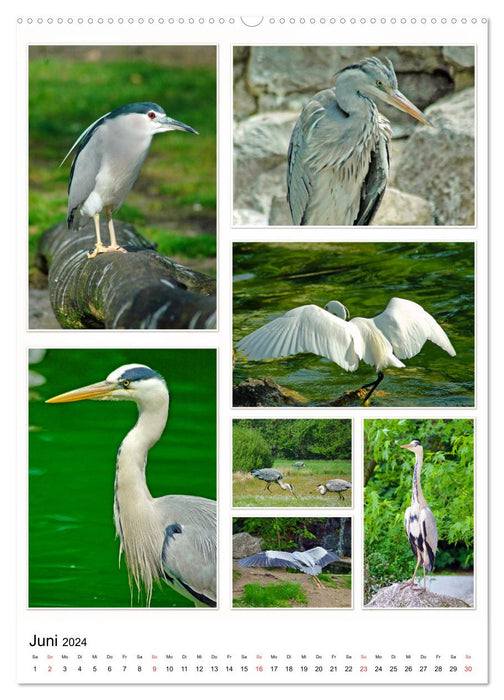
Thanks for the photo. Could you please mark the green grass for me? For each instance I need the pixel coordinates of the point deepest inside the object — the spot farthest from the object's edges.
(251, 492)
(273, 595)
(175, 195)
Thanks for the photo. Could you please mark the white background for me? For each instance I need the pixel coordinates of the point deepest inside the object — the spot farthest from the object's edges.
(13, 346)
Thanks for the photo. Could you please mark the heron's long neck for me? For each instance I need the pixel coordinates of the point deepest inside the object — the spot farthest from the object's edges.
(132, 455)
(416, 493)
(134, 507)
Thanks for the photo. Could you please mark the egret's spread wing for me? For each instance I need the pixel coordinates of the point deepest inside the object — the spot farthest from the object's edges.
(407, 326)
(270, 557)
(306, 329)
(189, 547)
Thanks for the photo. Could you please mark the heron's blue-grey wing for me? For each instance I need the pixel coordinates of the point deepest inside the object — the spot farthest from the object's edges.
(430, 536)
(375, 182)
(269, 557)
(412, 529)
(298, 175)
(407, 326)
(306, 328)
(321, 556)
(190, 543)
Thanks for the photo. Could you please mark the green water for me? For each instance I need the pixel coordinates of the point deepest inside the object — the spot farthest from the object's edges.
(271, 278)
(73, 551)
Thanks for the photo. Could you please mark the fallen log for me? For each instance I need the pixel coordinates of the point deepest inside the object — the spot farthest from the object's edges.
(137, 290)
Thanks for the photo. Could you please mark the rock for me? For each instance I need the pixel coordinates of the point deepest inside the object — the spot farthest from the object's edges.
(438, 163)
(264, 392)
(401, 209)
(260, 159)
(244, 545)
(397, 597)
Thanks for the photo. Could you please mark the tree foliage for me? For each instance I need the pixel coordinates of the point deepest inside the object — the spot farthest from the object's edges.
(250, 450)
(304, 438)
(447, 483)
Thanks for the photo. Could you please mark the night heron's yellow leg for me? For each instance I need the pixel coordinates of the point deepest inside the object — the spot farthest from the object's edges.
(113, 241)
(99, 247)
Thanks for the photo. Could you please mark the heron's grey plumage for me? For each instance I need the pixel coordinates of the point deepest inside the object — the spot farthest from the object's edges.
(110, 155)
(271, 476)
(335, 486)
(338, 157)
(419, 522)
(311, 561)
(173, 537)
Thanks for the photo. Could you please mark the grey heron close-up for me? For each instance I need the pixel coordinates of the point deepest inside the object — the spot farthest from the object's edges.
(108, 161)
(273, 476)
(419, 522)
(172, 538)
(399, 332)
(338, 157)
(311, 561)
(338, 486)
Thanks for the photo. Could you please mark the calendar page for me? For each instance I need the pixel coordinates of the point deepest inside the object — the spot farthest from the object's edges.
(252, 337)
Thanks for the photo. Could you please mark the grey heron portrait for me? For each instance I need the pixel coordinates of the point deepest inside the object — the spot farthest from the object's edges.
(172, 538)
(419, 522)
(311, 561)
(273, 476)
(338, 486)
(338, 157)
(108, 161)
(399, 332)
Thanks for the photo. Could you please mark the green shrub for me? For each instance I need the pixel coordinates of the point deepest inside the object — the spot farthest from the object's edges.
(250, 450)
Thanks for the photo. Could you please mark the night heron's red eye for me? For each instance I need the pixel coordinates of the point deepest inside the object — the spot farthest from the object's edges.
(151, 115)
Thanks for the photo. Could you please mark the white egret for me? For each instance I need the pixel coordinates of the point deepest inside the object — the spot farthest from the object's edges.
(398, 332)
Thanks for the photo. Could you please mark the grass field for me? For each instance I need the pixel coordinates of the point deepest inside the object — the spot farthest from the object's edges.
(249, 491)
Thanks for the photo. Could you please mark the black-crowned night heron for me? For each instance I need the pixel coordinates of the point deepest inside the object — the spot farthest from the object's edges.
(111, 153)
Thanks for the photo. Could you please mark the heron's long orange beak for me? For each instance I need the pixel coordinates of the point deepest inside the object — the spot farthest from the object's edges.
(92, 391)
(397, 99)
(406, 447)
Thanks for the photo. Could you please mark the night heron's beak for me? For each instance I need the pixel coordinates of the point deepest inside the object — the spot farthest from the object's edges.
(397, 99)
(169, 124)
(99, 390)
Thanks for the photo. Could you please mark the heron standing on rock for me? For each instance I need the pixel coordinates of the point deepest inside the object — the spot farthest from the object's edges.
(338, 158)
(107, 164)
(419, 522)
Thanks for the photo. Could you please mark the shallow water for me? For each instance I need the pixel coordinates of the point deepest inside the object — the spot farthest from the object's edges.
(73, 551)
(271, 278)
